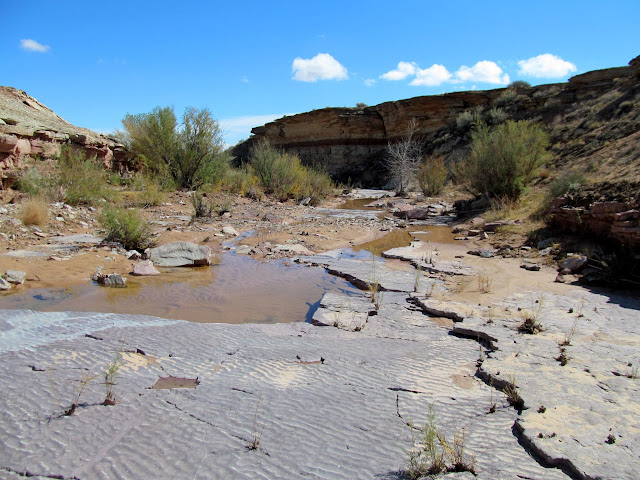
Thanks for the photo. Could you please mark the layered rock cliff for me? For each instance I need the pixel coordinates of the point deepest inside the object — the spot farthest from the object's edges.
(30, 129)
(584, 116)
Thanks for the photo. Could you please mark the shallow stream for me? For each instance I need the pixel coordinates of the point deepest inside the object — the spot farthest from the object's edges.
(235, 289)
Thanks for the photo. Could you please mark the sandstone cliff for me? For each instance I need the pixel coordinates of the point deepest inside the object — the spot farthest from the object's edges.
(591, 117)
(30, 129)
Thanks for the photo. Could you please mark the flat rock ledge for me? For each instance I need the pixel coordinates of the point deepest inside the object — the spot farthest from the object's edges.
(306, 401)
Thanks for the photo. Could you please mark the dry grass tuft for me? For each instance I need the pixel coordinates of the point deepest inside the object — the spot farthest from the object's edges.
(34, 211)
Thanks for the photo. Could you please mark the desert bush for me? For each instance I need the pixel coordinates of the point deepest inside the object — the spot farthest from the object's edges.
(507, 97)
(34, 211)
(243, 182)
(189, 154)
(566, 183)
(32, 182)
(503, 160)
(201, 205)
(82, 180)
(468, 118)
(432, 175)
(495, 116)
(127, 227)
(284, 176)
(519, 84)
(150, 193)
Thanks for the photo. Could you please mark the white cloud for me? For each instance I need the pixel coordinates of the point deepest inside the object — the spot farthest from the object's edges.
(431, 77)
(546, 66)
(403, 71)
(484, 71)
(33, 46)
(321, 67)
(370, 82)
(244, 79)
(238, 128)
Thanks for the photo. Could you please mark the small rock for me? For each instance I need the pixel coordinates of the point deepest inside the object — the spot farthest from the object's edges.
(15, 276)
(483, 235)
(243, 250)
(144, 268)
(228, 230)
(473, 233)
(114, 280)
(133, 255)
(573, 264)
(545, 251)
(4, 285)
(40, 234)
(525, 248)
(547, 242)
(531, 268)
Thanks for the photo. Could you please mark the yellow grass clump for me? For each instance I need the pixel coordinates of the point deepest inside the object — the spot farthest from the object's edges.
(34, 211)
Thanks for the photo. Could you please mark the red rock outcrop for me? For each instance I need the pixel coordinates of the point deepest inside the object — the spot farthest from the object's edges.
(29, 128)
(588, 214)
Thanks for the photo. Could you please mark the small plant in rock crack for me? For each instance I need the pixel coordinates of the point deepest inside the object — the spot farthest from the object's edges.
(256, 429)
(78, 391)
(373, 286)
(417, 280)
(568, 337)
(110, 375)
(513, 396)
(431, 453)
(530, 326)
(563, 358)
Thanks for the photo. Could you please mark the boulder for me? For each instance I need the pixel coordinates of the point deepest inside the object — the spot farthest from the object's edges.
(144, 268)
(180, 254)
(15, 276)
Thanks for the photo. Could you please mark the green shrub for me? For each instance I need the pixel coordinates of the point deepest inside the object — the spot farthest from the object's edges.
(201, 205)
(32, 182)
(468, 118)
(432, 175)
(507, 97)
(495, 116)
(243, 182)
(127, 227)
(151, 195)
(519, 84)
(82, 180)
(503, 160)
(188, 155)
(566, 183)
(284, 176)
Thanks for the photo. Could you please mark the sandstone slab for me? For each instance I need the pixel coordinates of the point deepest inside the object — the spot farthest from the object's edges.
(180, 254)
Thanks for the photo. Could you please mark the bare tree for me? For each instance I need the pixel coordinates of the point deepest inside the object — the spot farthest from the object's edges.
(403, 158)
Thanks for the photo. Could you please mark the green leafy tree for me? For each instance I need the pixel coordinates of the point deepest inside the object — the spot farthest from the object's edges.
(188, 154)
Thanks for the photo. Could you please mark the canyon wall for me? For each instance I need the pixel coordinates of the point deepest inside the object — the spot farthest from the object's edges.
(350, 142)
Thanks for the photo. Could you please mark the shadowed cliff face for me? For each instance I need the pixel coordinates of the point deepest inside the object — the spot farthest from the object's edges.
(582, 116)
(29, 128)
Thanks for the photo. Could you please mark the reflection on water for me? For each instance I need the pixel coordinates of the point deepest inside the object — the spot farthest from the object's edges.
(238, 290)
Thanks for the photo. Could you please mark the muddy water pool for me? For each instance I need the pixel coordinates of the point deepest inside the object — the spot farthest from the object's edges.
(236, 290)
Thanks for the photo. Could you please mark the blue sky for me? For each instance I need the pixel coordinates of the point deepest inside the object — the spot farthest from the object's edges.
(250, 62)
